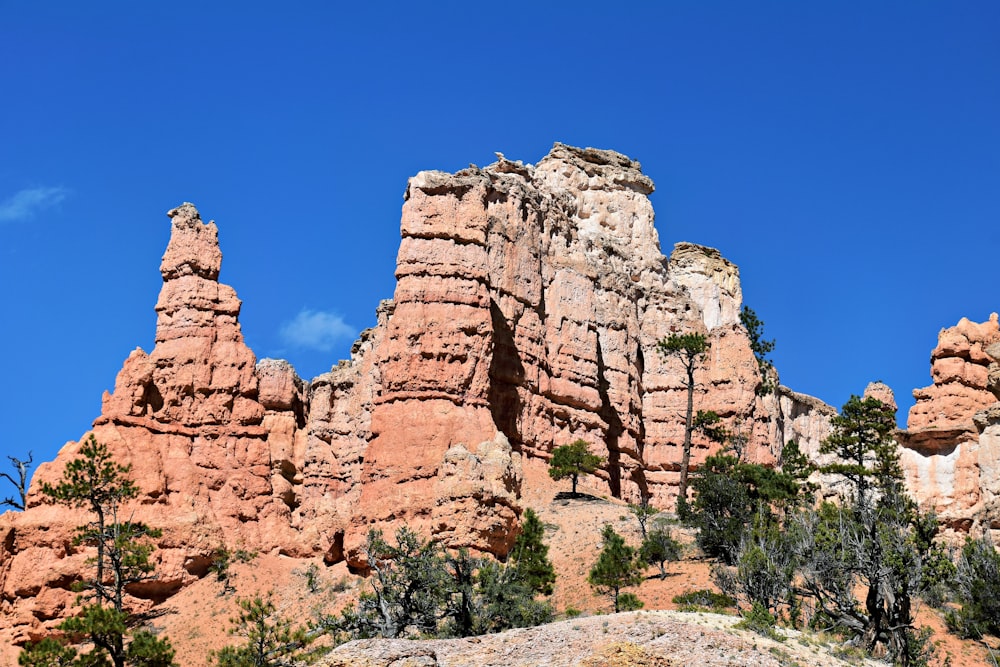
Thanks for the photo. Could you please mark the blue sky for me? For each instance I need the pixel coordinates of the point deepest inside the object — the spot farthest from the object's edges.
(846, 155)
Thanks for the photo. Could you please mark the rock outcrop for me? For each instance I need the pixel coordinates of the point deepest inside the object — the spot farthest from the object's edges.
(951, 449)
(528, 305)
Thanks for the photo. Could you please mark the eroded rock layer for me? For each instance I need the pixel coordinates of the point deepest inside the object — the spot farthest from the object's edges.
(952, 443)
(527, 310)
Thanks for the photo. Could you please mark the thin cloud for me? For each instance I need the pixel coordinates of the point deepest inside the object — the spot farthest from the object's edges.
(316, 330)
(25, 204)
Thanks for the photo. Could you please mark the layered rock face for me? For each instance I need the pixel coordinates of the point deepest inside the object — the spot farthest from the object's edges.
(528, 306)
(529, 303)
(952, 443)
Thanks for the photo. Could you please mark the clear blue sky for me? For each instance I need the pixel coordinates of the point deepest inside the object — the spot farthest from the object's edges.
(846, 155)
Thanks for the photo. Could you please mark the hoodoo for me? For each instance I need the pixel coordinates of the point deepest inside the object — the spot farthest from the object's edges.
(952, 443)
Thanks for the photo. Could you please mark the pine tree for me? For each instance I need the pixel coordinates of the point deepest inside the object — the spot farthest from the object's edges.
(47, 652)
(867, 455)
(530, 555)
(270, 638)
(760, 347)
(690, 349)
(880, 540)
(572, 461)
(659, 547)
(94, 481)
(643, 512)
(616, 568)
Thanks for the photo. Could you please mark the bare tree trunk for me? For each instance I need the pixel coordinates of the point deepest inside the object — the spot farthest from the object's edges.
(686, 453)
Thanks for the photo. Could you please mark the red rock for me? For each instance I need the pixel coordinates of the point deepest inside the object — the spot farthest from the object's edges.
(951, 457)
(528, 306)
(187, 419)
(881, 392)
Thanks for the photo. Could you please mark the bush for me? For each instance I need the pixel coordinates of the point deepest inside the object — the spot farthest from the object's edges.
(658, 548)
(629, 602)
(978, 583)
(419, 590)
(704, 599)
(758, 619)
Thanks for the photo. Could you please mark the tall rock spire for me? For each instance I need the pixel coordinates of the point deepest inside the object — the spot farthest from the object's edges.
(200, 372)
(210, 440)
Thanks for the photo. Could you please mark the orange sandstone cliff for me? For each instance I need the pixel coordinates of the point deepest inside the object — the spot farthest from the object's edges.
(951, 446)
(528, 305)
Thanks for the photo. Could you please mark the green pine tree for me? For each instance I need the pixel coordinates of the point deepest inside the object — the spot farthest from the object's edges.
(530, 555)
(690, 348)
(572, 461)
(616, 568)
(658, 547)
(94, 481)
(760, 347)
(270, 638)
(862, 435)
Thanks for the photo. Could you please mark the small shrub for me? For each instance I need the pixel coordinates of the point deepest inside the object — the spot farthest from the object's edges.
(629, 602)
(571, 612)
(222, 559)
(758, 619)
(704, 599)
(311, 575)
(341, 585)
(854, 655)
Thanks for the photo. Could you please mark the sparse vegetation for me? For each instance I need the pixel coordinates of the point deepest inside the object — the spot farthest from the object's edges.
(704, 599)
(311, 575)
(222, 559)
(643, 513)
(419, 590)
(978, 590)
(758, 619)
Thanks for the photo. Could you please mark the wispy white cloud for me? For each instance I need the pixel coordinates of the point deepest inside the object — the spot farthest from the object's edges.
(25, 204)
(316, 330)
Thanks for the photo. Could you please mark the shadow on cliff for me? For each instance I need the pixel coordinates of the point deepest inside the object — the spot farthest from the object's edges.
(506, 375)
(579, 497)
(615, 426)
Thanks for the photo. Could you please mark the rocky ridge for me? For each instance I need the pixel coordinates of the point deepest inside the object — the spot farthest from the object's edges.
(528, 305)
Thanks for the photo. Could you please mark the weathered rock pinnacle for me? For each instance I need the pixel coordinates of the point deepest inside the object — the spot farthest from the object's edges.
(952, 443)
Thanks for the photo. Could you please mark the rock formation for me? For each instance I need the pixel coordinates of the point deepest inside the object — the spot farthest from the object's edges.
(527, 310)
(951, 447)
